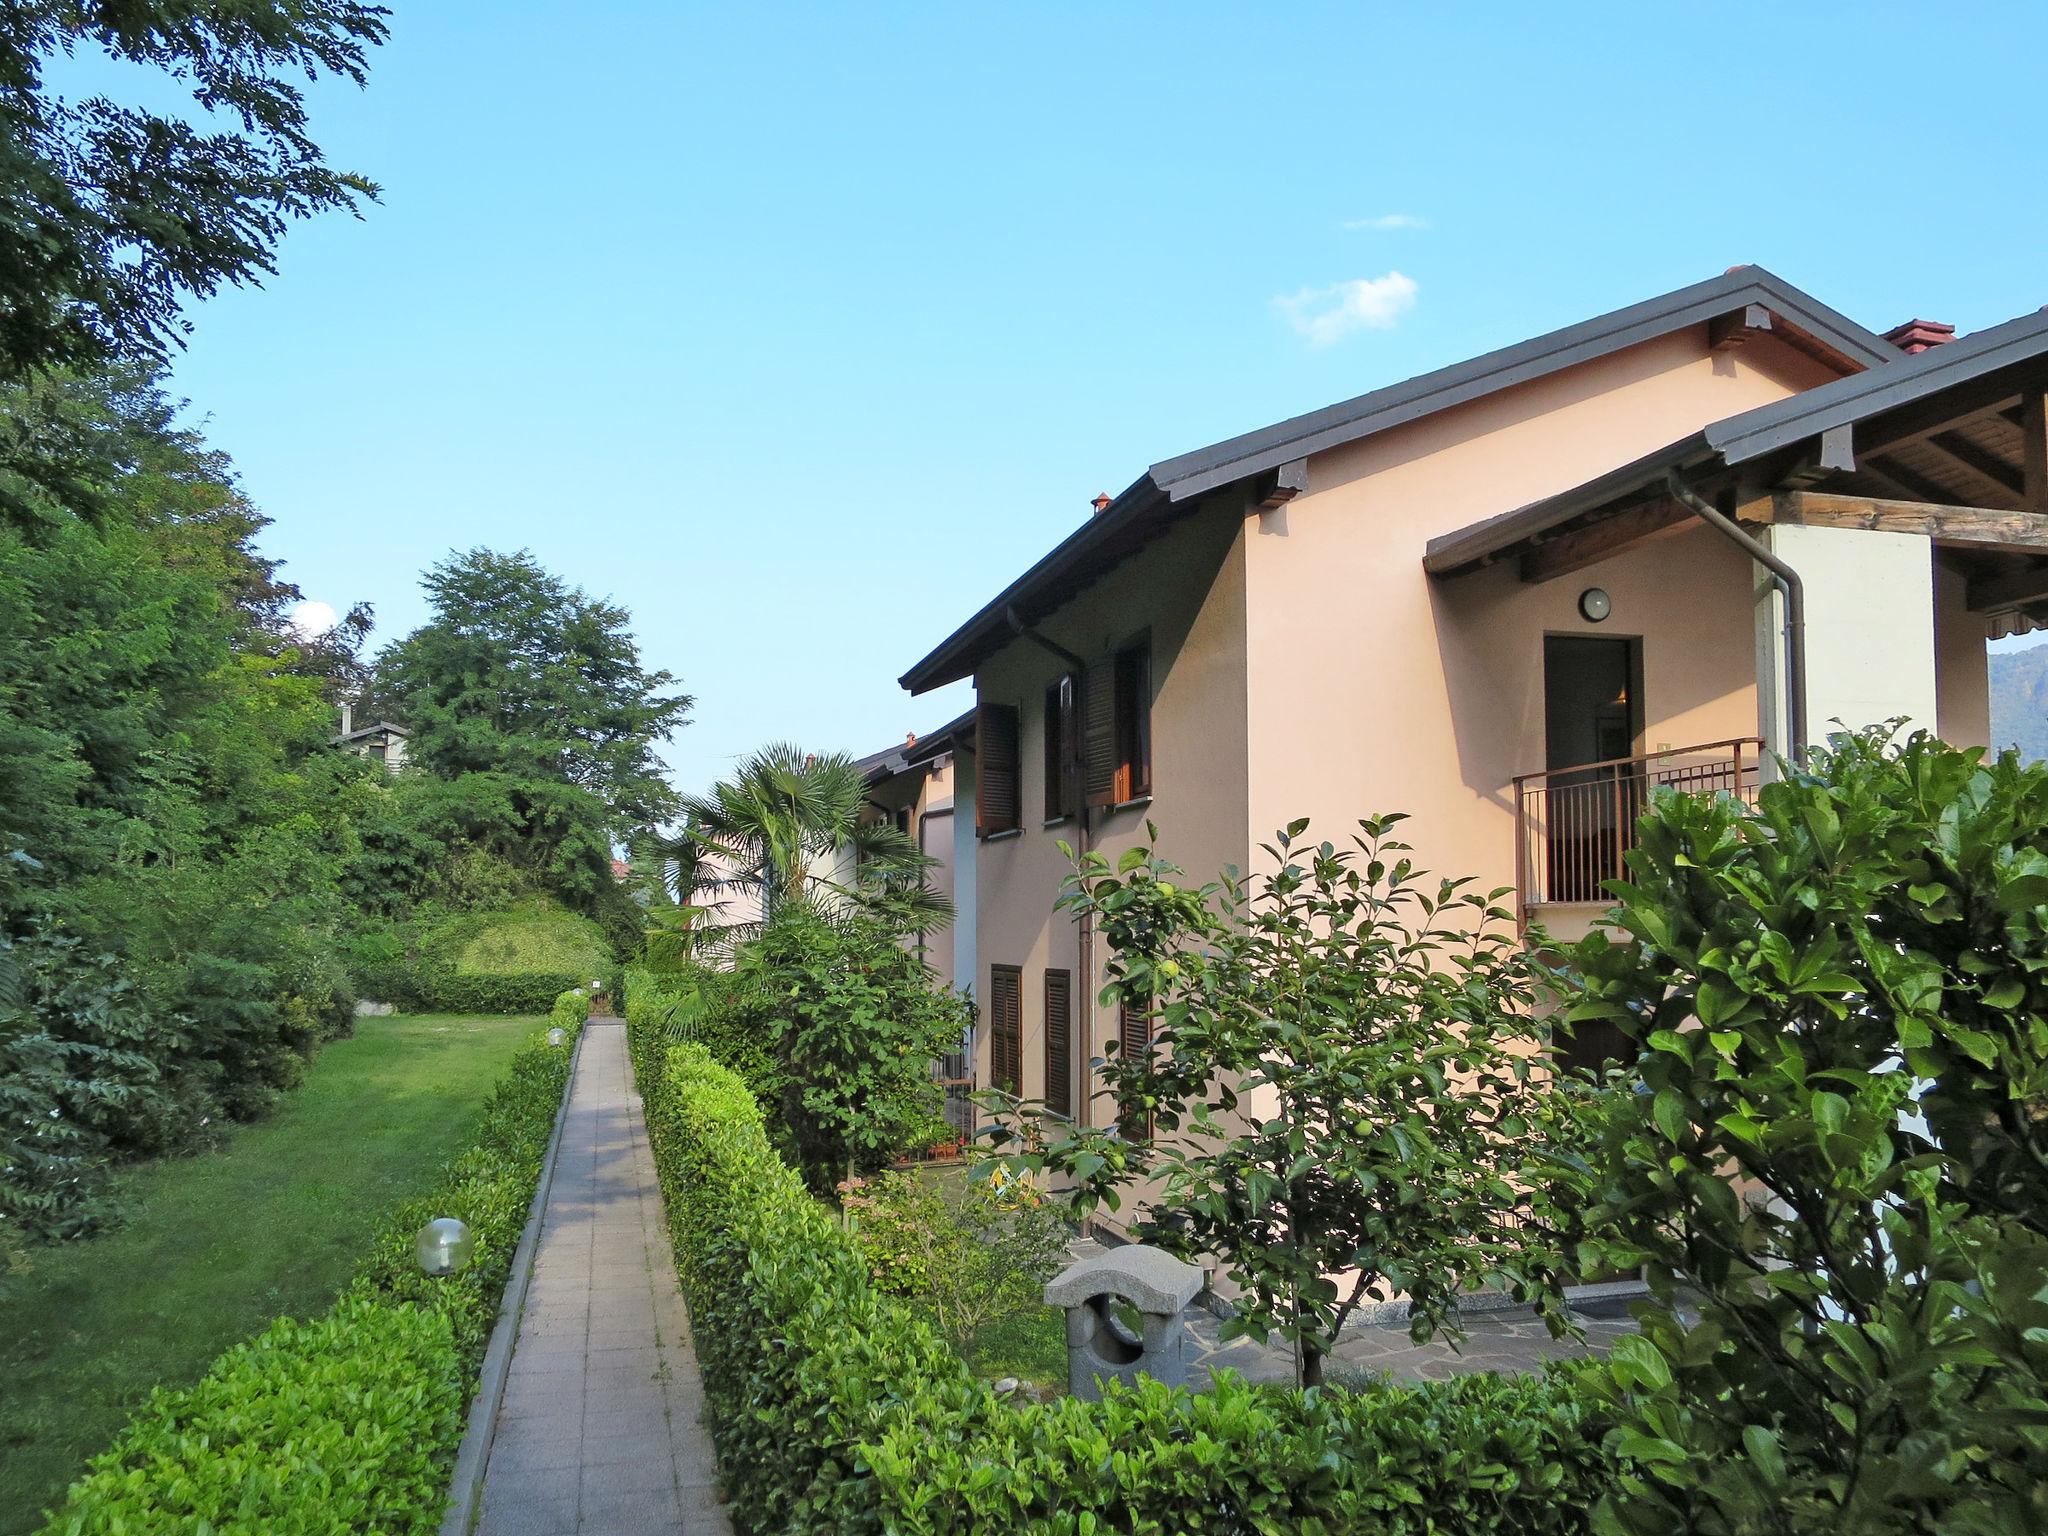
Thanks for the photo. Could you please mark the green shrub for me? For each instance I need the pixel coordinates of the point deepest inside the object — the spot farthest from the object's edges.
(702, 1005)
(512, 961)
(837, 1411)
(348, 1423)
(337, 1424)
(966, 1252)
(1836, 1172)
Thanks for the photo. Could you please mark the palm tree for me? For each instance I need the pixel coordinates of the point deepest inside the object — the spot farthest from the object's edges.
(783, 829)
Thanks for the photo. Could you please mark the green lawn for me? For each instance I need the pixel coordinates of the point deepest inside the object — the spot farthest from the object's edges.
(219, 1244)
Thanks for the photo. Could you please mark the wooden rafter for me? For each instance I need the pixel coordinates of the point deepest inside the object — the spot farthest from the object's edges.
(1979, 460)
(2008, 590)
(1568, 552)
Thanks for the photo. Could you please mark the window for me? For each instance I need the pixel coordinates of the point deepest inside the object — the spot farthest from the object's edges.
(1118, 730)
(1061, 750)
(1059, 1037)
(997, 804)
(1005, 1028)
(1134, 1034)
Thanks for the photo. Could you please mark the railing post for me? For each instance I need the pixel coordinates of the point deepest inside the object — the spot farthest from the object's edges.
(1521, 854)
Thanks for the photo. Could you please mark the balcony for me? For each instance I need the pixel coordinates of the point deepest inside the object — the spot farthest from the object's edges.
(1574, 826)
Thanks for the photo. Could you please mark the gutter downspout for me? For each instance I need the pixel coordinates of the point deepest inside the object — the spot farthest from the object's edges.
(1084, 1025)
(1787, 581)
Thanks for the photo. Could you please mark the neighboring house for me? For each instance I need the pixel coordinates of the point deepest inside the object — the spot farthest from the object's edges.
(1509, 598)
(383, 742)
(911, 786)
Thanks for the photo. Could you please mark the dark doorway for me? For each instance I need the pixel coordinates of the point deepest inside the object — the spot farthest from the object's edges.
(1592, 711)
(1592, 715)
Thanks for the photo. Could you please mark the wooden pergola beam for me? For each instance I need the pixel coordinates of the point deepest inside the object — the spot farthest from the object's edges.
(1962, 527)
(1568, 552)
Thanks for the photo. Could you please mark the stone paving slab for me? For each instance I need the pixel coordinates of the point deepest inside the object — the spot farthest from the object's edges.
(601, 1429)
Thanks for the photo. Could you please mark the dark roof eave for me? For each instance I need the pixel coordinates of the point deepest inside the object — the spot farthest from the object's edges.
(1757, 433)
(1464, 549)
(1190, 474)
(966, 646)
(1207, 469)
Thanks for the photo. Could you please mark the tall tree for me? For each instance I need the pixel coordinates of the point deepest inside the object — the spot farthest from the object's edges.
(523, 686)
(110, 214)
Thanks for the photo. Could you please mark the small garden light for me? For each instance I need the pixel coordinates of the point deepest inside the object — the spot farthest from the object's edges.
(555, 1035)
(444, 1245)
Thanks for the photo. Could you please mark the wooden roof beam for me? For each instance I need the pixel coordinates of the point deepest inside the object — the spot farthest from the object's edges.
(1563, 553)
(2008, 590)
(1961, 527)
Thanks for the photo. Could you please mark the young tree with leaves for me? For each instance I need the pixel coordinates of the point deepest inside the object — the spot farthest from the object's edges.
(1345, 1098)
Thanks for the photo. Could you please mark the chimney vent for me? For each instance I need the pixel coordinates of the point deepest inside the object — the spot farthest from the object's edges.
(1100, 503)
(348, 718)
(1919, 335)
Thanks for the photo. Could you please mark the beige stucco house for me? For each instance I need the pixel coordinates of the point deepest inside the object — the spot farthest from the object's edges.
(381, 743)
(1508, 598)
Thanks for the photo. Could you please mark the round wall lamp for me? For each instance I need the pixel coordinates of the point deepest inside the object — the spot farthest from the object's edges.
(1595, 604)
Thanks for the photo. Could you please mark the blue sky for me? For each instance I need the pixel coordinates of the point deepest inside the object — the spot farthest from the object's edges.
(800, 330)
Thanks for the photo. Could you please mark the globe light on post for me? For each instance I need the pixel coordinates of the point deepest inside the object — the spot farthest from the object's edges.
(555, 1035)
(443, 1245)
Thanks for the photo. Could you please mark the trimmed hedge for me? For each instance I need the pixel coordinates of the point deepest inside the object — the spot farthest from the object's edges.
(513, 961)
(837, 1411)
(347, 1423)
(702, 1005)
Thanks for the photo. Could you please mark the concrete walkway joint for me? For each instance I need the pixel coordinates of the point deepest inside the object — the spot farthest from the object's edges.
(601, 1429)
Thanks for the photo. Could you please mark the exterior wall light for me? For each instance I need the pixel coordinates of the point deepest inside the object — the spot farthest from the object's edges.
(1595, 604)
(444, 1245)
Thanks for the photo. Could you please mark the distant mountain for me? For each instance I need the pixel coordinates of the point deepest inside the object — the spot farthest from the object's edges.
(2019, 700)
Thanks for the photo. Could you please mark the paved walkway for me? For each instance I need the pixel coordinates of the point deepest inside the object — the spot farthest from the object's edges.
(601, 1428)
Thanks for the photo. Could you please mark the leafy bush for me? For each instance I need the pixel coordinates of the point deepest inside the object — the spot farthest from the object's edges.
(967, 1252)
(338, 1424)
(837, 1411)
(854, 1020)
(702, 1005)
(348, 1423)
(1837, 1172)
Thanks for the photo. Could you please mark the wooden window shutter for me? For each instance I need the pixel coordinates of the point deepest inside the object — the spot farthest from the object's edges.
(997, 806)
(1098, 735)
(1134, 719)
(1134, 1034)
(1060, 766)
(1059, 1038)
(1005, 1027)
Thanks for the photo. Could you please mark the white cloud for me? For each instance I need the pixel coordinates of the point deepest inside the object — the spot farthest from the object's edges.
(1389, 221)
(1329, 314)
(311, 619)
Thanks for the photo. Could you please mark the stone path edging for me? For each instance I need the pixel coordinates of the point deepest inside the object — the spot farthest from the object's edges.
(466, 1485)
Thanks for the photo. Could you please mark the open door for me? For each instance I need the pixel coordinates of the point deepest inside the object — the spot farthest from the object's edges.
(1592, 716)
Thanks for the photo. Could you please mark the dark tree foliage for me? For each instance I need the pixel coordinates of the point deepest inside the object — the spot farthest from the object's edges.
(172, 826)
(112, 214)
(529, 699)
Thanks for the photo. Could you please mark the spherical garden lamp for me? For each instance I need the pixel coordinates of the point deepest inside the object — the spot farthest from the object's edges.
(555, 1035)
(444, 1245)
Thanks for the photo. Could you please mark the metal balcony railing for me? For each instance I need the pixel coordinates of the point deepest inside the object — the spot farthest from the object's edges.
(1573, 826)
